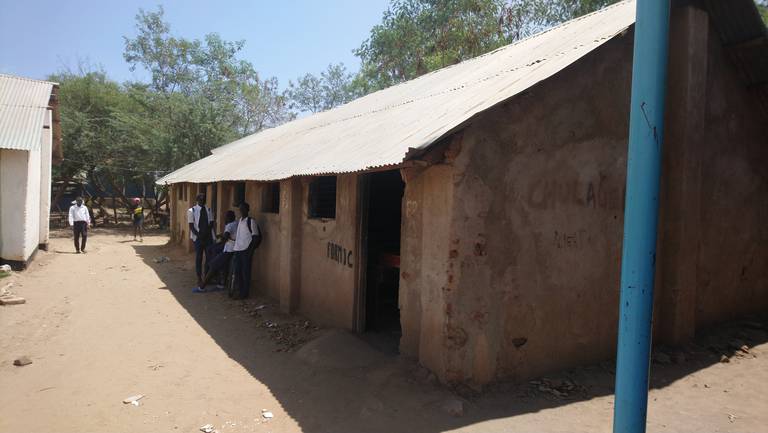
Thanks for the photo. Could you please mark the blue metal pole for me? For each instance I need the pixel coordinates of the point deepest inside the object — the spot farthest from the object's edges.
(646, 121)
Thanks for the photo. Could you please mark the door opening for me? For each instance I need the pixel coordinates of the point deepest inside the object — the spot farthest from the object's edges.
(382, 244)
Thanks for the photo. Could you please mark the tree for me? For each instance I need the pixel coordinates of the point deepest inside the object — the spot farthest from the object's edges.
(762, 7)
(313, 94)
(200, 95)
(420, 36)
(206, 94)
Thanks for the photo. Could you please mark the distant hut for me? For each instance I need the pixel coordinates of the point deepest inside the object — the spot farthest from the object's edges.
(30, 140)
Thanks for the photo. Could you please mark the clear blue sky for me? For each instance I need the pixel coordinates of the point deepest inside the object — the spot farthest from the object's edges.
(284, 38)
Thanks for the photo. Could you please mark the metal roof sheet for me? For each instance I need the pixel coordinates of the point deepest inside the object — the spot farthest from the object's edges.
(23, 103)
(379, 129)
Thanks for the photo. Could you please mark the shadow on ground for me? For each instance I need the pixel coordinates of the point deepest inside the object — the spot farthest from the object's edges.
(338, 383)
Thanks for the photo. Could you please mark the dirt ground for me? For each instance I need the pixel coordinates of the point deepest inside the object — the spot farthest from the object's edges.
(113, 323)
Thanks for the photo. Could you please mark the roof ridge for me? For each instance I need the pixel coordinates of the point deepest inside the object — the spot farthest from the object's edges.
(511, 44)
(18, 77)
(407, 100)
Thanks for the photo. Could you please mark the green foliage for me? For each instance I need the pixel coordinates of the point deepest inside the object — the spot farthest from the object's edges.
(201, 95)
(762, 7)
(203, 85)
(332, 88)
(420, 36)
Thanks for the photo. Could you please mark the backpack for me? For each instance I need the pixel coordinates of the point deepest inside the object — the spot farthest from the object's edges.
(257, 241)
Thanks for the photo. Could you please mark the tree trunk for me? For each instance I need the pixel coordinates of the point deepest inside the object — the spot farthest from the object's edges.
(60, 192)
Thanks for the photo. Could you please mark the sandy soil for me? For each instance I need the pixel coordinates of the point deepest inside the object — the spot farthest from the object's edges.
(113, 323)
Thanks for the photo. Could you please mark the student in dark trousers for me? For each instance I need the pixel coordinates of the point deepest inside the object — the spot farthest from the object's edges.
(221, 262)
(201, 231)
(247, 239)
(79, 220)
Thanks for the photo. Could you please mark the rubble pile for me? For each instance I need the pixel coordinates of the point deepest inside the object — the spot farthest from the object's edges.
(558, 388)
(289, 335)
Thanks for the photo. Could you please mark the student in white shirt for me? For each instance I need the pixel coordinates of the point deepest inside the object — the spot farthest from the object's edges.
(79, 220)
(220, 263)
(247, 239)
(202, 232)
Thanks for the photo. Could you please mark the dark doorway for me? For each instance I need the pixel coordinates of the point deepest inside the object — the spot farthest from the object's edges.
(382, 242)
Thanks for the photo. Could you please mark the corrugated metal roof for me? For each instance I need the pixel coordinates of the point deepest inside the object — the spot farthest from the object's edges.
(379, 129)
(23, 103)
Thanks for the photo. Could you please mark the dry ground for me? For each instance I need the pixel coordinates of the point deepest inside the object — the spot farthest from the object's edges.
(113, 323)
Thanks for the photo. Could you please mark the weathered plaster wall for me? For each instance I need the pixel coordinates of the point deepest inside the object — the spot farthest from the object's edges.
(327, 289)
(183, 196)
(266, 259)
(425, 268)
(291, 219)
(537, 225)
(733, 258)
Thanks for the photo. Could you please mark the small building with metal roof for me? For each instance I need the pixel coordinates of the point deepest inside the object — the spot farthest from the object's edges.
(472, 218)
(30, 141)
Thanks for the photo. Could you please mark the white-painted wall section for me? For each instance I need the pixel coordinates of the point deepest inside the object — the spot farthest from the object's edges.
(25, 199)
(46, 149)
(14, 172)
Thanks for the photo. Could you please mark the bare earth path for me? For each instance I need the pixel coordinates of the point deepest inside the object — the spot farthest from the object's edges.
(113, 323)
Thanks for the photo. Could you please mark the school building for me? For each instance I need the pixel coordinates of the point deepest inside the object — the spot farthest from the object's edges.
(475, 214)
(30, 141)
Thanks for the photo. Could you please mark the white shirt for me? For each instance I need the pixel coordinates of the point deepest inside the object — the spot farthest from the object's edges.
(243, 237)
(78, 213)
(193, 216)
(231, 228)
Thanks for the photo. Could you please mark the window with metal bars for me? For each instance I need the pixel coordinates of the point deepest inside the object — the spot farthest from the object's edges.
(322, 197)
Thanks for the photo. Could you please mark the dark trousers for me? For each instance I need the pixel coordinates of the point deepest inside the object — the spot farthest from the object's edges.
(219, 263)
(201, 248)
(243, 271)
(81, 235)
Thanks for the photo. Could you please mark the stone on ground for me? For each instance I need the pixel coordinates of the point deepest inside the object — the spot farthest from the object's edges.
(12, 300)
(22, 361)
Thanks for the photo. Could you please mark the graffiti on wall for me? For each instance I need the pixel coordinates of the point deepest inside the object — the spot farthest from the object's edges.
(546, 193)
(569, 240)
(339, 254)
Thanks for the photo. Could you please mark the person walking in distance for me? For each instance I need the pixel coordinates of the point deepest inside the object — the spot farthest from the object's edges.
(137, 214)
(247, 239)
(202, 232)
(79, 220)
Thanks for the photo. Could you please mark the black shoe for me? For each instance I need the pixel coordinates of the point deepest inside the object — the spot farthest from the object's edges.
(78, 252)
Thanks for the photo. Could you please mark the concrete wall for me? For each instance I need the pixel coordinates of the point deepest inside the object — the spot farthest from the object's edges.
(13, 194)
(266, 259)
(18, 242)
(327, 287)
(32, 203)
(182, 198)
(537, 224)
(293, 264)
(533, 252)
(20, 208)
(46, 148)
(425, 273)
(733, 256)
